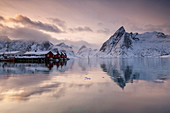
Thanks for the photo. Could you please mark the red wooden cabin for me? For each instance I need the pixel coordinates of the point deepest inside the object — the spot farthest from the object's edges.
(65, 55)
(49, 55)
(57, 55)
(62, 55)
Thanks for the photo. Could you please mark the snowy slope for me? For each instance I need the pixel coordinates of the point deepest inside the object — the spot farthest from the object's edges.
(62, 47)
(20, 45)
(123, 44)
(76, 45)
(86, 52)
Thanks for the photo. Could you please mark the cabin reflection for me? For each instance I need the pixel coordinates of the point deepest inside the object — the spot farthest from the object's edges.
(31, 68)
(122, 75)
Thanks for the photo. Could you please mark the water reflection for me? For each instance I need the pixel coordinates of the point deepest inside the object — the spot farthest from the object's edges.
(127, 70)
(70, 92)
(33, 68)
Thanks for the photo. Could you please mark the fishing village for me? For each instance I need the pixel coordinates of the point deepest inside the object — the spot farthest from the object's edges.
(33, 56)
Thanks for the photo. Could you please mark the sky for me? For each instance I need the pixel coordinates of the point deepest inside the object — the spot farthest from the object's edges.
(93, 21)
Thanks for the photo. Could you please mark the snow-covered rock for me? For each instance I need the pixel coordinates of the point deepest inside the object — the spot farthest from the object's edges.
(124, 44)
(86, 52)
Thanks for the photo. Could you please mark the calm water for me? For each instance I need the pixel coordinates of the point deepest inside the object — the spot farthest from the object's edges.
(86, 86)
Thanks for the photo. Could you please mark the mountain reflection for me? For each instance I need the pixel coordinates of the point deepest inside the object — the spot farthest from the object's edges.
(32, 68)
(123, 71)
(120, 76)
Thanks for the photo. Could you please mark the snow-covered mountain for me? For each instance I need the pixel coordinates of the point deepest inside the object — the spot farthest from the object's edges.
(20, 45)
(86, 52)
(124, 44)
(7, 44)
(64, 48)
(76, 45)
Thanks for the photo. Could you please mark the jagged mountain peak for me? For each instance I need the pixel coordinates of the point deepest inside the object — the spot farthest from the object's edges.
(113, 40)
(82, 47)
(121, 29)
(64, 45)
(118, 33)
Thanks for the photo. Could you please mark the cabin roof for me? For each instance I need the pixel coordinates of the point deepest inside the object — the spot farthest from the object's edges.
(37, 53)
(55, 53)
(11, 52)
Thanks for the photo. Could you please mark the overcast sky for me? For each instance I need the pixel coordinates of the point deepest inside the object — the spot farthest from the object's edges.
(89, 20)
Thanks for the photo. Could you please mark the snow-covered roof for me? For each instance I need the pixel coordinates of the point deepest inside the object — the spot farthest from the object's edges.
(57, 52)
(36, 53)
(11, 52)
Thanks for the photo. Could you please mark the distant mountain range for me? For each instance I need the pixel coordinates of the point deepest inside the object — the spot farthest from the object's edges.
(120, 44)
(21, 45)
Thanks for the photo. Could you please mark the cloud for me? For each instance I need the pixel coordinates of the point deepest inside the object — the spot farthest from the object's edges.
(150, 28)
(29, 34)
(1, 18)
(38, 90)
(59, 22)
(27, 22)
(23, 33)
(166, 28)
(104, 31)
(4, 30)
(100, 24)
(81, 29)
